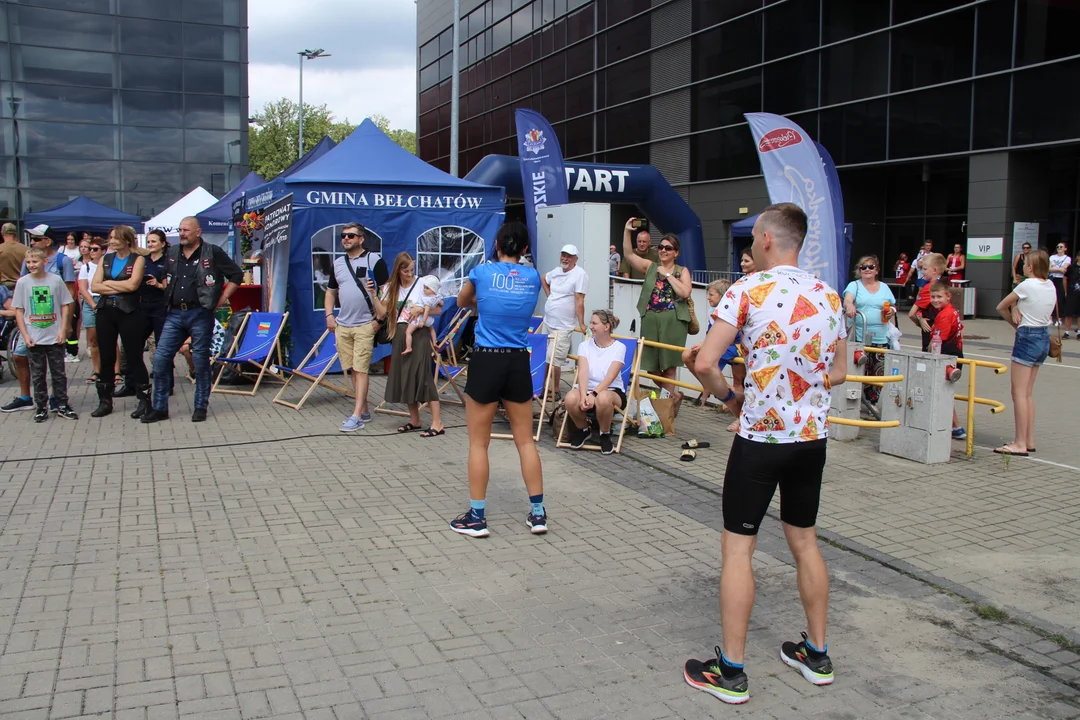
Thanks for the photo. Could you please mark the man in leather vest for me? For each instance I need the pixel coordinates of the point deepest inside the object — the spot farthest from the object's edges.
(200, 278)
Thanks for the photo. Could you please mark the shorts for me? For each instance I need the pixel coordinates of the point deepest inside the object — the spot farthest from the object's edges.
(89, 317)
(354, 346)
(20, 347)
(755, 469)
(499, 374)
(1071, 308)
(561, 340)
(1031, 346)
(617, 391)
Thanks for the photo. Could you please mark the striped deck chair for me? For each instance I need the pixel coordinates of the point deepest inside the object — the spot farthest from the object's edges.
(320, 360)
(540, 368)
(257, 343)
(629, 375)
(447, 368)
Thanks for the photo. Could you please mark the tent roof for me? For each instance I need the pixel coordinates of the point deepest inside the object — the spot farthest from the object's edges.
(276, 186)
(321, 148)
(191, 204)
(82, 213)
(368, 156)
(221, 211)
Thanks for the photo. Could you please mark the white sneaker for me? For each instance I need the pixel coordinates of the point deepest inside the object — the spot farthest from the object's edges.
(71, 358)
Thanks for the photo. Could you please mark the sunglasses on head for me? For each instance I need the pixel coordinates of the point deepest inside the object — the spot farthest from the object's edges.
(868, 267)
(668, 248)
(349, 235)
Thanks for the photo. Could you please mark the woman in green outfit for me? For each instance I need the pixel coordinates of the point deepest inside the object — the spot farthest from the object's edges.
(665, 315)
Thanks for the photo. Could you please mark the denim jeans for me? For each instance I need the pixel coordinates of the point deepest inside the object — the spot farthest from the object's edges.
(198, 324)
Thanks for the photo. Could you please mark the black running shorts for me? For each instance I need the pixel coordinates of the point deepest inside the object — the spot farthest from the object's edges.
(754, 471)
(499, 374)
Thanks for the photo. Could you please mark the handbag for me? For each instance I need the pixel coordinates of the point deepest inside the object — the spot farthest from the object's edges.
(382, 335)
(694, 327)
(1055, 342)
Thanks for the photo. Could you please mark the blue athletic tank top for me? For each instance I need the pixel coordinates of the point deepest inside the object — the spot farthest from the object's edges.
(506, 296)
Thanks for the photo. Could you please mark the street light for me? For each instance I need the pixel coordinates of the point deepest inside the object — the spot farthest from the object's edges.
(228, 150)
(306, 55)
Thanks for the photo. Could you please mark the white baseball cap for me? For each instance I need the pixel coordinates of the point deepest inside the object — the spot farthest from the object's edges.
(38, 230)
(569, 250)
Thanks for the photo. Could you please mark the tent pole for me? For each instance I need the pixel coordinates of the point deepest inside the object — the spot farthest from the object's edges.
(455, 106)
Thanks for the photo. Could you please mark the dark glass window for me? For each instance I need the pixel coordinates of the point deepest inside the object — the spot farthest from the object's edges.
(429, 76)
(726, 153)
(624, 82)
(579, 97)
(446, 41)
(847, 18)
(215, 12)
(729, 47)
(930, 122)
(1037, 120)
(45, 200)
(429, 52)
(521, 53)
(59, 29)
(521, 84)
(991, 114)
(151, 73)
(75, 175)
(150, 9)
(711, 12)
(211, 77)
(67, 140)
(212, 112)
(613, 11)
(791, 27)
(553, 69)
(791, 85)
(933, 51)
(553, 104)
(1045, 30)
(63, 67)
(723, 101)
(501, 35)
(211, 43)
(521, 23)
(626, 125)
(994, 45)
(157, 177)
(428, 100)
(855, 69)
(855, 133)
(211, 177)
(151, 37)
(637, 155)
(579, 59)
(211, 146)
(579, 26)
(45, 102)
(429, 123)
(152, 145)
(499, 9)
(103, 7)
(911, 9)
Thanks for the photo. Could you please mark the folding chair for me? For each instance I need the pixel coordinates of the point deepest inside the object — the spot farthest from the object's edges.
(447, 367)
(535, 323)
(541, 370)
(629, 375)
(258, 340)
(320, 360)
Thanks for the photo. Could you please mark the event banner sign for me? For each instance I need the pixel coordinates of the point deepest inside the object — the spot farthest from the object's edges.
(987, 248)
(543, 177)
(277, 229)
(795, 172)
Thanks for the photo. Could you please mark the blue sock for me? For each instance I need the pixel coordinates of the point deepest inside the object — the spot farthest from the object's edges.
(25, 397)
(537, 504)
(728, 668)
(478, 508)
(811, 648)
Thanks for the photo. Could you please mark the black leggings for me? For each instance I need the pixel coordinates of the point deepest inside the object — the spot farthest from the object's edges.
(129, 328)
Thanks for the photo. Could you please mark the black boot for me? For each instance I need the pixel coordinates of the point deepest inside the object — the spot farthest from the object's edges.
(143, 393)
(105, 398)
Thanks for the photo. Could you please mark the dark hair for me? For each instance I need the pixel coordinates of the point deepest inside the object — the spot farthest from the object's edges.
(748, 252)
(787, 222)
(161, 236)
(512, 239)
(673, 239)
(940, 286)
(359, 228)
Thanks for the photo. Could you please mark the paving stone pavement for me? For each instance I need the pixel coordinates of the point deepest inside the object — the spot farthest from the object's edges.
(166, 571)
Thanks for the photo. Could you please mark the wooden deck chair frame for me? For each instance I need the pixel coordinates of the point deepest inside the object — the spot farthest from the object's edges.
(548, 373)
(635, 364)
(315, 380)
(442, 369)
(275, 349)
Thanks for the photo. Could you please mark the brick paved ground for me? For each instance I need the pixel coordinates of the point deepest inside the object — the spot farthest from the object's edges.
(315, 577)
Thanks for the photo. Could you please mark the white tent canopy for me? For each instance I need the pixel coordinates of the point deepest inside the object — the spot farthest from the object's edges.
(191, 204)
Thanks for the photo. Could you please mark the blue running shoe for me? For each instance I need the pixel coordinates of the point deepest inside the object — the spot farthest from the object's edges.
(959, 433)
(468, 524)
(18, 404)
(352, 424)
(365, 416)
(537, 523)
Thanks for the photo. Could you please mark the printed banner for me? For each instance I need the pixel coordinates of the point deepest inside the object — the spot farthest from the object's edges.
(277, 229)
(543, 177)
(795, 172)
(985, 248)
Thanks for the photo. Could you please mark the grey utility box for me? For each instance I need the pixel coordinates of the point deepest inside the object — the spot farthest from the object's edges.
(847, 399)
(923, 403)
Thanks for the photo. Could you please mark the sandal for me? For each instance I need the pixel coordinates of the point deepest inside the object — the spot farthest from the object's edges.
(408, 427)
(1006, 450)
(733, 427)
(93, 379)
(694, 444)
(688, 456)
(432, 432)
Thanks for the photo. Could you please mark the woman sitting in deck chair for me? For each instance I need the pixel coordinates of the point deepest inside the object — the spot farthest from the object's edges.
(600, 362)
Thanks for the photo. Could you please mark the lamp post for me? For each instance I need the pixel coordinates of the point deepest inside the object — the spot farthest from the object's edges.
(455, 88)
(306, 55)
(228, 150)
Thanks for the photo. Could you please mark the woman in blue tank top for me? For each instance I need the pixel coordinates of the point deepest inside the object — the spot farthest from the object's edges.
(504, 294)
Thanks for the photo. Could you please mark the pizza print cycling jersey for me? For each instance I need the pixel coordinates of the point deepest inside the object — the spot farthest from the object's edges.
(790, 323)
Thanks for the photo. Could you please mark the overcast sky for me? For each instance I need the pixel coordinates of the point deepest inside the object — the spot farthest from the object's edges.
(373, 64)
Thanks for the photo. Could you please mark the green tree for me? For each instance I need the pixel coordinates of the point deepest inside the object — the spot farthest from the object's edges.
(404, 138)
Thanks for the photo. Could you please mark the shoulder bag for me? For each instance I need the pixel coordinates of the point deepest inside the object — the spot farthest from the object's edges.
(694, 327)
(381, 337)
(1055, 342)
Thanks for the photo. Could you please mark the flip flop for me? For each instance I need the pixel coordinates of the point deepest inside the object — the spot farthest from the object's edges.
(1031, 450)
(693, 444)
(408, 427)
(1004, 450)
(93, 379)
(432, 432)
(688, 456)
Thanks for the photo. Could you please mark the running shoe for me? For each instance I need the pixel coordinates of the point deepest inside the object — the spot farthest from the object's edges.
(352, 424)
(71, 358)
(18, 404)
(67, 412)
(365, 417)
(579, 437)
(959, 433)
(537, 523)
(41, 414)
(468, 524)
(706, 675)
(1066, 334)
(606, 446)
(818, 671)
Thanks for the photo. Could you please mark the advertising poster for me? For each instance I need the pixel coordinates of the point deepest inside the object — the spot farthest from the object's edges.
(277, 229)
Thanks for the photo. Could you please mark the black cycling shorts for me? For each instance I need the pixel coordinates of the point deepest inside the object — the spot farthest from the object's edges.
(499, 374)
(754, 471)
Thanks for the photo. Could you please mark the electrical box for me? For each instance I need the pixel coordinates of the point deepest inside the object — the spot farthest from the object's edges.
(922, 402)
(847, 398)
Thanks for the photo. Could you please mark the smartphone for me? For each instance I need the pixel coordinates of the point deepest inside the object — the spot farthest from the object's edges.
(361, 273)
(640, 224)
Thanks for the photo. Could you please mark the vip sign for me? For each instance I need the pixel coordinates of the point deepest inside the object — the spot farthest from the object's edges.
(984, 248)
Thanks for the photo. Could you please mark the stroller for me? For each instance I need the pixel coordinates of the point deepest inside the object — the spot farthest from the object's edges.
(9, 337)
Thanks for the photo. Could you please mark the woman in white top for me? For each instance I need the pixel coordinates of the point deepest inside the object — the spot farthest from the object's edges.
(1028, 309)
(1059, 265)
(89, 303)
(600, 363)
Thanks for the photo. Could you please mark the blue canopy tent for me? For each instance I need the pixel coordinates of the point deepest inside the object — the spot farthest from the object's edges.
(82, 213)
(447, 224)
(216, 220)
(267, 192)
(742, 237)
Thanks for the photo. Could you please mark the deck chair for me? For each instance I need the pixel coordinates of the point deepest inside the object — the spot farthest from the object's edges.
(629, 375)
(257, 343)
(320, 360)
(541, 370)
(535, 323)
(448, 370)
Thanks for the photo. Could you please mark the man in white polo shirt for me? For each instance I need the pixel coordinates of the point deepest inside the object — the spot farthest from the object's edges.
(564, 310)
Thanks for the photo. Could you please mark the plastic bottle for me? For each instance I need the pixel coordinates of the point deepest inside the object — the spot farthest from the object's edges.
(935, 343)
(885, 312)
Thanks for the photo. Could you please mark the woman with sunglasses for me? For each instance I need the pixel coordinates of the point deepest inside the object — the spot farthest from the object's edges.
(869, 296)
(665, 314)
(95, 248)
(152, 307)
(1018, 264)
(1059, 265)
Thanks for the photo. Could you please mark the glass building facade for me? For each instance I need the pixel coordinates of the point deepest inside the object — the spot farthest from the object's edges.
(130, 102)
(913, 98)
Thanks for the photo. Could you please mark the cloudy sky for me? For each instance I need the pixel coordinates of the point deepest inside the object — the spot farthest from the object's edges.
(373, 64)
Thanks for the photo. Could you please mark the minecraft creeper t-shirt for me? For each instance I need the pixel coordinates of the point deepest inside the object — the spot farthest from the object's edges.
(42, 302)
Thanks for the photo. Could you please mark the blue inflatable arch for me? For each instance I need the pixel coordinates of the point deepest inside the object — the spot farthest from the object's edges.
(640, 185)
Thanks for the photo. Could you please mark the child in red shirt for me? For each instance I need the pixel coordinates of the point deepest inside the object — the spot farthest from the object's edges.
(923, 311)
(950, 329)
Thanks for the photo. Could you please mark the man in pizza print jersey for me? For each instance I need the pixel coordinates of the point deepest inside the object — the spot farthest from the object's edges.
(793, 338)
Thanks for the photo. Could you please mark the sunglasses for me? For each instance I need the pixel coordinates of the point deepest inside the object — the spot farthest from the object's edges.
(1027, 247)
(868, 267)
(349, 235)
(97, 249)
(666, 248)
